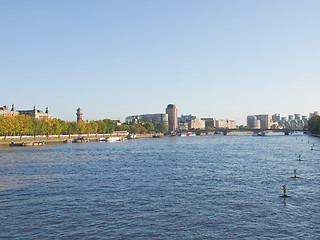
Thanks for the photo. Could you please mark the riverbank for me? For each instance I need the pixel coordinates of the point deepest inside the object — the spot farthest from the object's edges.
(61, 138)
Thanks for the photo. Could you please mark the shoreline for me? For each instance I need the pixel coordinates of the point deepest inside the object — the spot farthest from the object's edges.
(61, 138)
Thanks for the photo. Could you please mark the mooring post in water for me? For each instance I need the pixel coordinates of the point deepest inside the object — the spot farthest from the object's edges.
(284, 190)
(295, 173)
(299, 157)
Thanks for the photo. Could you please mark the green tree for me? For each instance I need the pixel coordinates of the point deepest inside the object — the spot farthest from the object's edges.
(123, 127)
(110, 126)
(134, 128)
(149, 126)
(56, 127)
(314, 124)
(161, 128)
(92, 127)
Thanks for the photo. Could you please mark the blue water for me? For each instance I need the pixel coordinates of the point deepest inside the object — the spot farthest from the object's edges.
(203, 187)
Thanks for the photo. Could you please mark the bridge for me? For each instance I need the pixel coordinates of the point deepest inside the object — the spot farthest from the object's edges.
(226, 131)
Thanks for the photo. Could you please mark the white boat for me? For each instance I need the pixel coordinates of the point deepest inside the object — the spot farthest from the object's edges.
(191, 134)
(132, 136)
(183, 135)
(114, 139)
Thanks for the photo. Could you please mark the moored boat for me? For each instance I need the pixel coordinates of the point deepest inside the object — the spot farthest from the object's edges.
(101, 139)
(113, 139)
(157, 136)
(132, 136)
(24, 144)
(82, 140)
(191, 134)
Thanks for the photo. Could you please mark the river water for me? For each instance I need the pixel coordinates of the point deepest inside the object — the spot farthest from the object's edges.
(203, 187)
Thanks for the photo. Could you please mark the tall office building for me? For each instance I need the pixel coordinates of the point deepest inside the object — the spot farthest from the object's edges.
(265, 121)
(253, 122)
(172, 112)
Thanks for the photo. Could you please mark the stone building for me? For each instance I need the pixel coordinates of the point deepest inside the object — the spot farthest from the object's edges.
(4, 111)
(79, 115)
(38, 114)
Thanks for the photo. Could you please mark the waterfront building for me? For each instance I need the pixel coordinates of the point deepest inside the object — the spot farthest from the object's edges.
(313, 114)
(184, 118)
(195, 124)
(154, 118)
(172, 112)
(297, 117)
(293, 121)
(209, 122)
(5, 111)
(222, 123)
(183, 126)
(79, 115)
(253, 122)
(32, 113)
(276, 117)
(36, 113)
(232, 124)
(265, 121)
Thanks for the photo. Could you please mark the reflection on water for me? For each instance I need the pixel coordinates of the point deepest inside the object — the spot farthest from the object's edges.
(10, 182)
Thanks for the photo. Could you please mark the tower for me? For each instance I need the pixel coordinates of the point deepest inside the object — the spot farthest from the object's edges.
(79, 115)
(172, 112)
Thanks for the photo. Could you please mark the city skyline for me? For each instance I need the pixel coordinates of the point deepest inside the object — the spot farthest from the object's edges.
(215, 59)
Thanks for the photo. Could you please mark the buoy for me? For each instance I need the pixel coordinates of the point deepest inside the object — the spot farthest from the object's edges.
(284, 191)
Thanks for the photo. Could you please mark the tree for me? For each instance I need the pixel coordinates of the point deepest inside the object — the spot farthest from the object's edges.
(161, 128)
(149, 126)
(123, 127)
(92, 127)
(110, 126)
(56, 127)
(314, 124)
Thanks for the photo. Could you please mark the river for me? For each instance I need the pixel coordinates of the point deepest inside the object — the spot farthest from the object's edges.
(202, 187)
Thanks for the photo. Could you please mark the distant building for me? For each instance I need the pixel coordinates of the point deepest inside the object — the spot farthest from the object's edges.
(231, 124)
(5, 111)
(154, 118)
(172, 112)
(38, 114)
(209, 122)
(183, 126)
(313, 114)
(222, 124)
(79, 115)
(253, 122)
(265, 121)
(196, 124)
(297, 117)
(276, 117)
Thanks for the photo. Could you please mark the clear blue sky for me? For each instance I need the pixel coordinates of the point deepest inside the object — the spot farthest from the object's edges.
(221, 59)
